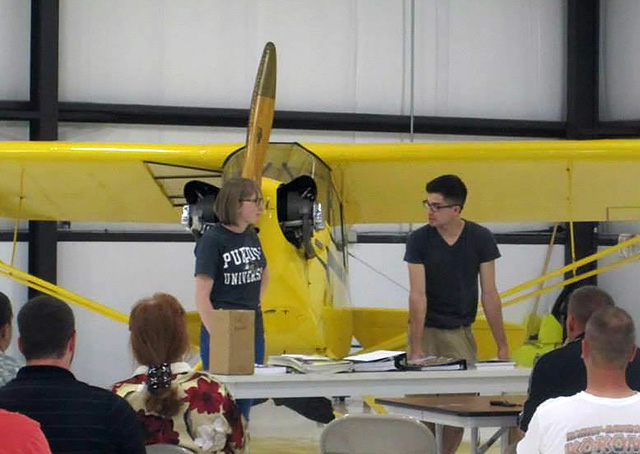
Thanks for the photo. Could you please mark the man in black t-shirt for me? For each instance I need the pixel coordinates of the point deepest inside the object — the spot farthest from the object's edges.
(445, 258)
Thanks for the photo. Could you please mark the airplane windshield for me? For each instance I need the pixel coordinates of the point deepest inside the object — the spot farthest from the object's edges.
(287, 161)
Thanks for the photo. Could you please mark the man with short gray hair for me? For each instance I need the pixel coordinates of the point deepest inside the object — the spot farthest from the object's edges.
(561, 372)
(606, 416)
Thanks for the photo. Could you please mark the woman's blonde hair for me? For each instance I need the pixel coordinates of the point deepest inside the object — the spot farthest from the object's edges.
(159, 335)
(233, 192)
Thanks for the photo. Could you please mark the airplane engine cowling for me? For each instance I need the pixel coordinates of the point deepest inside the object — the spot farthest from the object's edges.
(198, 215)
(299, 213)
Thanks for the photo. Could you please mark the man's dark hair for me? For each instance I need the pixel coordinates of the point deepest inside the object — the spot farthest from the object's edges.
(6, 313)
(586, 300)
(611, 335)
(451, 187)
(46, 324)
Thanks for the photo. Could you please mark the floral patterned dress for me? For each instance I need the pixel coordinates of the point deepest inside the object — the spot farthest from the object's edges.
(208, 421)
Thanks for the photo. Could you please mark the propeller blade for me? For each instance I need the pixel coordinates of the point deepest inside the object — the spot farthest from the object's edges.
(261, 114)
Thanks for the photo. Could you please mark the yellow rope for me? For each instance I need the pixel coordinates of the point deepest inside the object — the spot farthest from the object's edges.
(569, 267)
(572, 280)
(59, 292)
(564, 269)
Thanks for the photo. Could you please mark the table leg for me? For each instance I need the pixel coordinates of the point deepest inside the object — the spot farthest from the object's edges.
(439, 444)
(492, 439)
(475, 441)
(504, 442)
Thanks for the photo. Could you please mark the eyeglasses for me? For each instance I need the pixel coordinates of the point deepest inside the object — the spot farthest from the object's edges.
(435, 207)
(258, 201)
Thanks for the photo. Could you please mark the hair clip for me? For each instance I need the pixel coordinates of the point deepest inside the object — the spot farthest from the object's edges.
(159, 377)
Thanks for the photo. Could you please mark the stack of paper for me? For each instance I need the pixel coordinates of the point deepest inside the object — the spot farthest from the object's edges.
(437, 363)
(261, 369)
(307, 364)
(378, 361)
(495, 364)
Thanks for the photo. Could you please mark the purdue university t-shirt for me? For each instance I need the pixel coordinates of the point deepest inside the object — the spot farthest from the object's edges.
(235, 262)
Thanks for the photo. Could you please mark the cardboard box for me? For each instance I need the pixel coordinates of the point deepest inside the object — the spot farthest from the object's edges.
(231, 351)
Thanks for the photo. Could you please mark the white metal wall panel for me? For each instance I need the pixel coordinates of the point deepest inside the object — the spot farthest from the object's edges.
(14, 130)
(493, 58)
(15, 22)
(620, 60)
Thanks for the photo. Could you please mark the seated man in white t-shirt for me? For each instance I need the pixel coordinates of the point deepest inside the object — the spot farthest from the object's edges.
(605, 418)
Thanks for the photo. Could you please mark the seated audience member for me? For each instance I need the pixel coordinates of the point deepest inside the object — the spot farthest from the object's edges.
(74, 416)
(8, 366)
(21, 435)
(606, 416)
(561, 372)
(176, 404)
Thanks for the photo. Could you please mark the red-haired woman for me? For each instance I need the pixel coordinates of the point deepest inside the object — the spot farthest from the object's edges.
(175, 404)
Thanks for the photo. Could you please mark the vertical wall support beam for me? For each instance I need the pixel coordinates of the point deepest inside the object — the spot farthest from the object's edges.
(583, 35)
(44, 69)
(586, 236)
(45, 14)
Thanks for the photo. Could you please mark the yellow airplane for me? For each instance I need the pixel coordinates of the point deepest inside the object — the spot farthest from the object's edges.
(312, 192)
(356, 183)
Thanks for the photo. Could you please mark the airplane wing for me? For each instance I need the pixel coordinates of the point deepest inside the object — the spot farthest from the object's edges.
(508, 181)
(102, 182)
(378, 182)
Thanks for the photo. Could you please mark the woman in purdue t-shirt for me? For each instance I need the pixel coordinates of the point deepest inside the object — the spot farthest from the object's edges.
(231, 269)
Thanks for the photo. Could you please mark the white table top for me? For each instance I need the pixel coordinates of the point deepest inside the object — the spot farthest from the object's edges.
(387, 384)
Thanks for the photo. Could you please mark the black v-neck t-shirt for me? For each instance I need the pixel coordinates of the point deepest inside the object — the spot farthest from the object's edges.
(451, 271)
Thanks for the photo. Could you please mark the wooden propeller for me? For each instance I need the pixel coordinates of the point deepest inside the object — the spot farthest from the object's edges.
(261, 114)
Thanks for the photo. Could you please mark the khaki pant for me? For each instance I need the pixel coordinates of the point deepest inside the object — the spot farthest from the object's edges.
(451, 343)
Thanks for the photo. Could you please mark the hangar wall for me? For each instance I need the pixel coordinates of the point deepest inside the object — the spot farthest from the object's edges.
(491, 59)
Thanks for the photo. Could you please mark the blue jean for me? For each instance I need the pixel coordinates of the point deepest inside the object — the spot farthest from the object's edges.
(258, 342)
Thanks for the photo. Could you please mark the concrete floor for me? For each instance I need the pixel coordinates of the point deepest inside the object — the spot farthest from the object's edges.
(278, 430)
